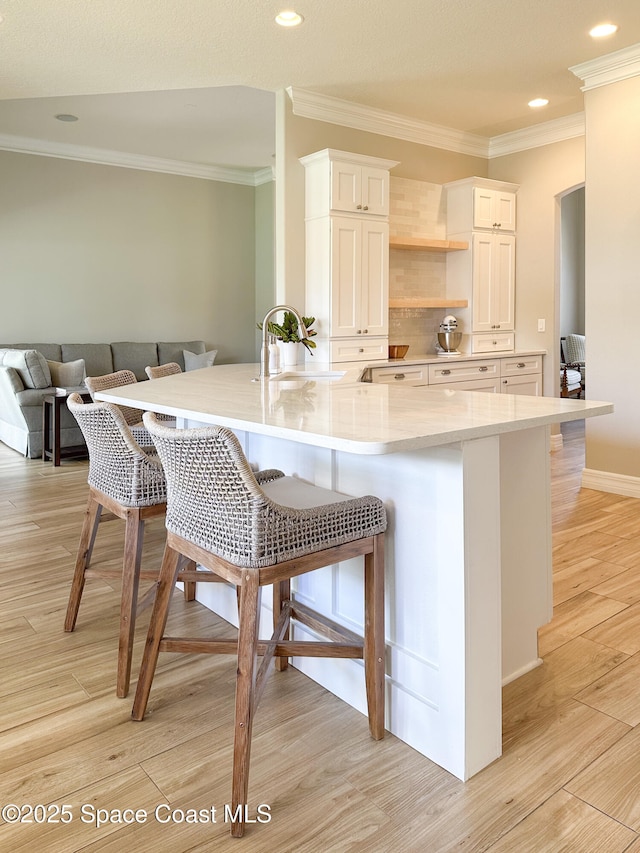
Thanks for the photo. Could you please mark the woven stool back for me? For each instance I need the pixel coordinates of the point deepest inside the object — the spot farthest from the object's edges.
(118, 466)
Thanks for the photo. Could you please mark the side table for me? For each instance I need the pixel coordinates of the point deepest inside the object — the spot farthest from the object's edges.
(51, 449)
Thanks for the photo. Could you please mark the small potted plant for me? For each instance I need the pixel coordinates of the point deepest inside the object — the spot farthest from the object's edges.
(287, 333)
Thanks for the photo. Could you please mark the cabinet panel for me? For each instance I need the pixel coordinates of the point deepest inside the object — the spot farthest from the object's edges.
(345, 275)
(502, 342)
(493, 286)
(356, 349)
(415, 374)
(359, 189)
(494, 209)
(375, 191)
(528, 383)
(466, 370)
(346, 189)
(521, 364)
(491, 386)
(374, 296)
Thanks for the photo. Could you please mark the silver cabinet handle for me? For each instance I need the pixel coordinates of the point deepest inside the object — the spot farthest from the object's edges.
(445, 372)
(361, 349)
(365, 207)
(399, 376)
(521, 364)
(483, 369)
(358, 207)
(365, 331)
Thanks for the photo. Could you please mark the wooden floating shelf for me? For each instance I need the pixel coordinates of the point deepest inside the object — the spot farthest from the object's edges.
(422, 244)
(427, 302)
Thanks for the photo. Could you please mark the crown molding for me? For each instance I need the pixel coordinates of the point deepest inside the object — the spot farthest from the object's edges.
(557, 130)
(105, 157)
(308, 104)
(611, 68)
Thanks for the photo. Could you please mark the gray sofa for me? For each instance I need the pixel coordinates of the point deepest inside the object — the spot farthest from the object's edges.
(26, 378)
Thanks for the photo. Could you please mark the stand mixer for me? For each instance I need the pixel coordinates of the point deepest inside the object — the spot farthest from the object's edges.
(449, 337)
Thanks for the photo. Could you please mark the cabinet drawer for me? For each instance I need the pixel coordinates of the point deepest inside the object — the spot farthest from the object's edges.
(415, 374)
(491, 386)
(521, 364)
(446, 374)
(500, 342)
(359, 349)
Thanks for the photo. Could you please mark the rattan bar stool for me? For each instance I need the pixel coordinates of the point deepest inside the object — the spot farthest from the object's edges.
(253, 530)
(129, 484)
(132, 416)
(161, 370)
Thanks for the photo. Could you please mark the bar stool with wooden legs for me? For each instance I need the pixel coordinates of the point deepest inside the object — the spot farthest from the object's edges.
(254, 533)
(168, 369)
(132, 416)
(130, 484)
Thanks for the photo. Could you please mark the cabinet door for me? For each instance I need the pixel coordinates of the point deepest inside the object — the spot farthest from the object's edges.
(504, 279)
(493, 273)
(346, 275)
(494, 209)
(530, 384)
(346, 186)
(375, 191)
(374, 285)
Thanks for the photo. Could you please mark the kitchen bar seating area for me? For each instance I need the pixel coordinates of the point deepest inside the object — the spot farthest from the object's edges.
(66, 737)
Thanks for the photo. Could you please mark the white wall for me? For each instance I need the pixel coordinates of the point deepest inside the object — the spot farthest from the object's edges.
(612, 222)
(572, 263)
(101, 253)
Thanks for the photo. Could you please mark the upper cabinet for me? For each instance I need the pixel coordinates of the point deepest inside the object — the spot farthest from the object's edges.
(347, 254)
(481, 204)
(494, 209)
(337, 181)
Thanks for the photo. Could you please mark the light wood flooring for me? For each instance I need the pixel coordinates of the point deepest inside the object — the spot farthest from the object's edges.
(569, 778)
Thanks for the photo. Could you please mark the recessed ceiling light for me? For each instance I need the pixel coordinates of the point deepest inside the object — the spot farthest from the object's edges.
(66, 117)
(603, 30)
(539, 102)
(289, 18)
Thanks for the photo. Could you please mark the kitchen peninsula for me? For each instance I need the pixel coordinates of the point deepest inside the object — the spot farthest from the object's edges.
(465, 478)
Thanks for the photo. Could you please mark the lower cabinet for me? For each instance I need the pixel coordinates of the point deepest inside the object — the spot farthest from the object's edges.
(513, 375)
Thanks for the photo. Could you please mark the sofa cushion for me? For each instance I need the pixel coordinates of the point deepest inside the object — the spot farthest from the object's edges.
(97, 357)
(134, 356)
(66, 374)
(49, 351)
(172, 351)
(193, 361)
(29, 364)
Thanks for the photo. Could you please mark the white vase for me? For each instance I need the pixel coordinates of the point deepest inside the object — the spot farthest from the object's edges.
(289, 354)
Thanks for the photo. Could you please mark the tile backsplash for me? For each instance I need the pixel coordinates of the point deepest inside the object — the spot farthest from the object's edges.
(417, 209)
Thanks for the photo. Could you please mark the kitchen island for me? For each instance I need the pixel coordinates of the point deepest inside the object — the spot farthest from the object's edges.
(465, 477)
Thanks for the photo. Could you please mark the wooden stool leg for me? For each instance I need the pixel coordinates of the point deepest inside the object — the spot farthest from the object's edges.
(281, 593)
(245, 689)
(157, 625)
(133, 539)
(189, 586)
(374, 648)
(83, 558)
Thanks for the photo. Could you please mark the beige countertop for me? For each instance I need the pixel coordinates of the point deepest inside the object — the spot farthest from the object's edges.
(333, 409)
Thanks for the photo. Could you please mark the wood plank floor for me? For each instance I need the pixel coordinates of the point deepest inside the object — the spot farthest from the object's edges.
(569, 779)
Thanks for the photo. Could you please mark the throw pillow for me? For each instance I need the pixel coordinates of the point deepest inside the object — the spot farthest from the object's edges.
(30, 365)
(67, 373)
(193, 361)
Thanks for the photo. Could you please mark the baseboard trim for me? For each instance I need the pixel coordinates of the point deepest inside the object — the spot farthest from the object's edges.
(606, 481)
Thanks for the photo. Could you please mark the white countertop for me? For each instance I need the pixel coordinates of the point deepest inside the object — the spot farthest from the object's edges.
(343, 413)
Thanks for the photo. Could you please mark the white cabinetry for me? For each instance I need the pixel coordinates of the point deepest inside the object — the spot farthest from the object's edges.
(482, 212)
(493, 282)
(506, 375)
(494, 208)
(522, 375)
(347, 254)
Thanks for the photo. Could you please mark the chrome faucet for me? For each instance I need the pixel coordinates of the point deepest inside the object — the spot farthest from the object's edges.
(264, 354)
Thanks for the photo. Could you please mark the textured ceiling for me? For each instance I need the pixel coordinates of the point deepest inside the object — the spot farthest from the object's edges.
(471, 65)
